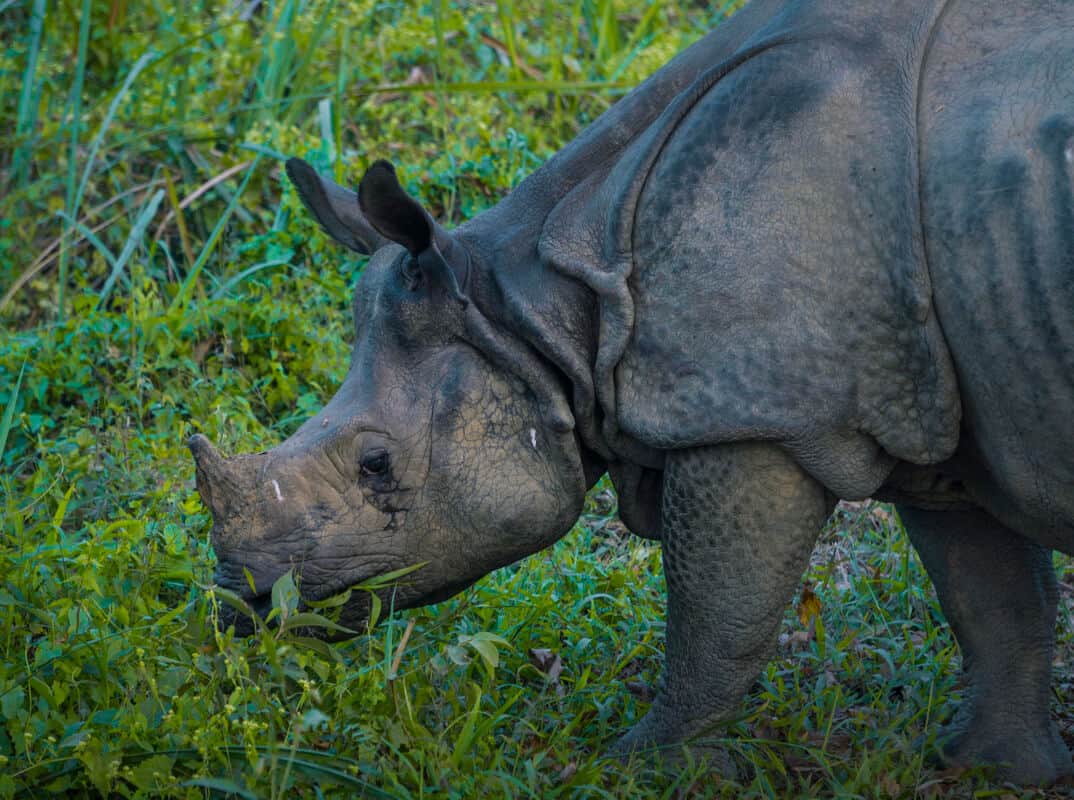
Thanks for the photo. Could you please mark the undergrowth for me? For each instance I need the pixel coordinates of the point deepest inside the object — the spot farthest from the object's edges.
(158, 277)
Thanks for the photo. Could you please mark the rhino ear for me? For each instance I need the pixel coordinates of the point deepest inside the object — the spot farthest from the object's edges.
(393, 212)
(335, 208)
(401, 218)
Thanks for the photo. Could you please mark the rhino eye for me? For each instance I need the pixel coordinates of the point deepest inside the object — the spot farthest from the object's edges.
(375, 462)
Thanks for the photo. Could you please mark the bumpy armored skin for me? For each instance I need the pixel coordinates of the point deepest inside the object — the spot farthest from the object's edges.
(717, 539)
(827, 252)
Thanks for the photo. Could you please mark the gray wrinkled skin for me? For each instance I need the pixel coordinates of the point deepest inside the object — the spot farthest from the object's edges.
(827, 252)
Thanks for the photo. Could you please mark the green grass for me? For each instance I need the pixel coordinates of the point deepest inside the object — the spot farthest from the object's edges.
(159, 277)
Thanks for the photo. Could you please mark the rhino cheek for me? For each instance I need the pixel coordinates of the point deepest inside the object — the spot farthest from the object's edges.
(346, 556)
(498, 508)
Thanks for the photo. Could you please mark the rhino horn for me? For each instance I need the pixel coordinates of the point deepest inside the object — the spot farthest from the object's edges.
(220, 483)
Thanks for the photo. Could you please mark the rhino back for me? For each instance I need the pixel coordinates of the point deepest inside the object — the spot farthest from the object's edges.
(997, 160)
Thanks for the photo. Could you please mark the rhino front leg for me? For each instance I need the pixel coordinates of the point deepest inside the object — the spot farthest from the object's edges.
(998, 592)
(739, 523)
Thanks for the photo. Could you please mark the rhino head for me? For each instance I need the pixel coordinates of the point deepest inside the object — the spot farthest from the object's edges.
(448, 444)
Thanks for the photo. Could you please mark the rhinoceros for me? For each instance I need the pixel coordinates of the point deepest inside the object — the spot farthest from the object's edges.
(825, 253)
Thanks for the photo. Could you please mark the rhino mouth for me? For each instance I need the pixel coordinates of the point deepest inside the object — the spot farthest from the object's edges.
(260, 604)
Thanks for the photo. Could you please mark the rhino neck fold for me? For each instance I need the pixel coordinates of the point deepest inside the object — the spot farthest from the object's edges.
(554, 313)
(559, 259)
(544, 326)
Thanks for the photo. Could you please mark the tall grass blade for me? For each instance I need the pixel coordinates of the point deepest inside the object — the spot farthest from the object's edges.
(91, 236)
(136, 235)
(209, 185)
(465, 742)
(27, 113)
(644, 24)
(96, 145)
(295, 80)
(328, 139)
(180, 221)
(72, 151)
(638, 40)
(9, 412)
(106, 123)
(344, 37)
(485, 87)
(608, 37)
(507, 17)
(263, 150)
(279, 55)
(246, 273)
(183, 295)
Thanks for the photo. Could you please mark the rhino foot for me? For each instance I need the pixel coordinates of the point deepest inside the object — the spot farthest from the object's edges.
(998, 591)
(644, 744)
(1019, 756)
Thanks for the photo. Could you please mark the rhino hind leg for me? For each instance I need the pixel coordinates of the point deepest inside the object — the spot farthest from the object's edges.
(738, 524)
(998, 592)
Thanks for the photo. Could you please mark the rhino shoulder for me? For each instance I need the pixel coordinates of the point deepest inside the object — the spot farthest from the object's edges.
(757, 254)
